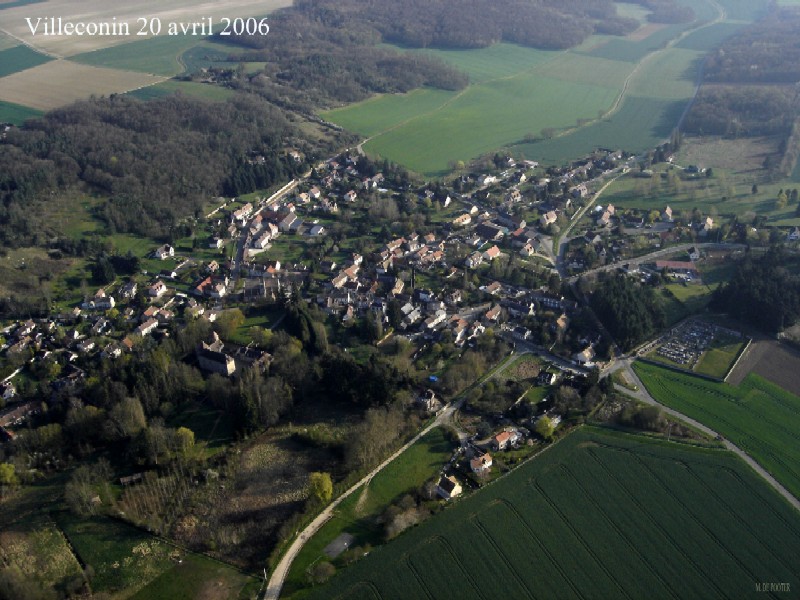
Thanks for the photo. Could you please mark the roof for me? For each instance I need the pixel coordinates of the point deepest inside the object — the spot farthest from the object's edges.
(448, 484)
(502, 437)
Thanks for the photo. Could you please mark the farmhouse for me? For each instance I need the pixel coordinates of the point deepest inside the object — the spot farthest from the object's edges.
(502, 440)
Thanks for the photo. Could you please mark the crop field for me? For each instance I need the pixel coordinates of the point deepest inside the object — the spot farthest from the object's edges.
(16, 114)
(40, 553)
(20, 58)
(600, 515)
(158, 56)
(7, 42)
(773, 361)
(185, 11)
(718, 359)
(757, 415)
(61, 82)
(488, 116)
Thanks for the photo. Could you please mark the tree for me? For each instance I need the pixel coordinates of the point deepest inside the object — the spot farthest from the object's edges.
(184, 439)
(228, 322)
(86, 485)
(8, 475)
(126, 419)
(321, 487)
(754, 189)
(545, 427)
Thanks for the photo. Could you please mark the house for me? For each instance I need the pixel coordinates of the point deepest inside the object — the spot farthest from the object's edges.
(428, 400)
(481, 464)
(216, 242)
(585, 357)
(493, 288)
(493, 313)
(350, 196)
(448, 487)
(215, 362)
(666, 216)
(157, 290)
(708, 225)
(694, 253)
(502, 440)
(547, 378)
(548, 218)
(164, 252)
(473, 260)
(462, 220)
(147, 327)
(492, 253)
(793, 235)
(288, 222)
(579, 191)
(128, 290)
(490, 231)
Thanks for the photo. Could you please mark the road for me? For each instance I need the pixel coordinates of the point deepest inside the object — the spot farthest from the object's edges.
(657, 254)
(643, 395)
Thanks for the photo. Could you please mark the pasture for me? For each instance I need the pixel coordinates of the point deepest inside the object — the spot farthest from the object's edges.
(600, 515)
(62, 82)
(20, 58)
(757, 415)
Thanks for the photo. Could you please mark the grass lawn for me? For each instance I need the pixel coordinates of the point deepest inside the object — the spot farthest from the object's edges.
(758, 416)
(602, 514)
(356, 515)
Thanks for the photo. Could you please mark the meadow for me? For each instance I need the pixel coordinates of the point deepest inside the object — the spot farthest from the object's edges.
(602, 514)
(191, 89)
(757, 415)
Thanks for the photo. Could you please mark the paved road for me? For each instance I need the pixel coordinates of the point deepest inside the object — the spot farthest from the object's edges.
(642, 394)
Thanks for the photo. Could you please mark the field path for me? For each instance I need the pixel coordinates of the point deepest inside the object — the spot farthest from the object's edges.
(643, 395)
(31, 46)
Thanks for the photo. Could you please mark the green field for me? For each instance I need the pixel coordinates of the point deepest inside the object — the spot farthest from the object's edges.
(601, 515)
(758, 416)
(17, 114)
(158, 55)
(20, 58)
(193, 89)
(357, 514)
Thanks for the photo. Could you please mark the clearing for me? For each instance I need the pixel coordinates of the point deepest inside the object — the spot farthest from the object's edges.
(601, 514)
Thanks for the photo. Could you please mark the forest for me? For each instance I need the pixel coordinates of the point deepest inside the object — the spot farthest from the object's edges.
(764, 52)
(735, 111)
(762, 291)
(630, 310)
(157, 162)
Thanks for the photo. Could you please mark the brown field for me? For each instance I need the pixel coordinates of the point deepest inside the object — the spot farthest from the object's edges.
(741, 156)
(62, 82)
(645, 31)
(771, 360)
(12, 20)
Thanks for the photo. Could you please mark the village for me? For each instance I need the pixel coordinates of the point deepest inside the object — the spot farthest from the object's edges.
(424, 263)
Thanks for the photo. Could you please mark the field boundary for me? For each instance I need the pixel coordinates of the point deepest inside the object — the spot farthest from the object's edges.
(679, 370)
(738, 360)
